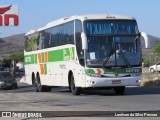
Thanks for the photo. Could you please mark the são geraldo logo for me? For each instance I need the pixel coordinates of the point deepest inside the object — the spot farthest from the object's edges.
(9, 15)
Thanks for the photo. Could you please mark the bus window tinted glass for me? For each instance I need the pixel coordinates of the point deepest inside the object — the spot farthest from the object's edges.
(111, 27)
(31, 42)
(56, 36)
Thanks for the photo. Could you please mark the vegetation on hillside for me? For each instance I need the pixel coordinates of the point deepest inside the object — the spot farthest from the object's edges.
(150, 59)
(156, 49)
(17, 56)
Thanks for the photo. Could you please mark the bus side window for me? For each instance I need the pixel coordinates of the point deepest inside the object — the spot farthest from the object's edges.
(26, 43)
(61, 42)
(68, 33)
(71, 32)
(54, 40)
(65, 34)
(46, 40)
(41, 40)
(32, 42)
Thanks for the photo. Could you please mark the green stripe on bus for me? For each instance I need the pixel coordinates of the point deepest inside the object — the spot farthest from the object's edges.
(30, 59)
(91, 71)
(35, 57)
(42, 54)
(56, 55)
(73, 54)
(45, 69)
(53, 56)
(114, 70)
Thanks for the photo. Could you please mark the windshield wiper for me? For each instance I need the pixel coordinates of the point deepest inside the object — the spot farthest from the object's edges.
(107, 58)
(124, 58)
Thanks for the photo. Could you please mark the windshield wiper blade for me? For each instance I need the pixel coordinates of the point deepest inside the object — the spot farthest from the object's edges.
(124, 59)
(107, 58)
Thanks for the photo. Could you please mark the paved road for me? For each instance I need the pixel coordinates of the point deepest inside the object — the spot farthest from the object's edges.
(135, 99)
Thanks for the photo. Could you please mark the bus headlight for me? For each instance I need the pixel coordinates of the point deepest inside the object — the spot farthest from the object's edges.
(93, 75)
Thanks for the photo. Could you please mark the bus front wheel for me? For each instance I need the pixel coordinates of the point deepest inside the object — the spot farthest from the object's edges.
(75, 90)
(119, 90)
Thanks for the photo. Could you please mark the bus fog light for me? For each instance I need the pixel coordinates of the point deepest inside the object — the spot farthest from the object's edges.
(91, 82)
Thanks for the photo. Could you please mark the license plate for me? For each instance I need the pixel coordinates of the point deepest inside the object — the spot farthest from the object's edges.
(116, 82)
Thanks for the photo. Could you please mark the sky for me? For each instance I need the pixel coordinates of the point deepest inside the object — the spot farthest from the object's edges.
(34, 14)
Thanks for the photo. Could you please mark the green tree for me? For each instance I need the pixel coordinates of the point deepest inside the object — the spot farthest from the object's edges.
(17, 56)
(156, 49)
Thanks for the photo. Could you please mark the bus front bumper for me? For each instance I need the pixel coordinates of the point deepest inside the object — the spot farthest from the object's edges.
(109, 82)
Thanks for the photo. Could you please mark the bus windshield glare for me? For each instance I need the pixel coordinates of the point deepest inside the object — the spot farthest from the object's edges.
(113, 43)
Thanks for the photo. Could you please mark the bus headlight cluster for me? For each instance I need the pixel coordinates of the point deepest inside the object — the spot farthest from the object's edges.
(93, 75)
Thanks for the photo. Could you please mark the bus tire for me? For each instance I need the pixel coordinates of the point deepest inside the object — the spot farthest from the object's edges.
(119, 90)
(35, 85)
(70, 85)
(39, 87)
(75, 90)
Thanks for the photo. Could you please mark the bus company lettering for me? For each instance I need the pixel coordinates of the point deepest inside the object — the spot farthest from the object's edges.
(9, 15)
(28, 59)
(62, 66)
(132, 70)
(65, 55)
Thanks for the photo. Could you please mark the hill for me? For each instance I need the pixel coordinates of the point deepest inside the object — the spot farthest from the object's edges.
(154, 40)
(15, 39)
(11, 44)
(1, 41)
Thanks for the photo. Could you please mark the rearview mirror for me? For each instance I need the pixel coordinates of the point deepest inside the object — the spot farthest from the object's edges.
(146, 39)
(84, 41)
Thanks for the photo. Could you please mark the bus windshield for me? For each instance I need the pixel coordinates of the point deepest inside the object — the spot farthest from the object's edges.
(113, 43)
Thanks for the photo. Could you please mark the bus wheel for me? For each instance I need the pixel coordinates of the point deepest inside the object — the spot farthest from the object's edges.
(42, 88)
(70, 87)
(39, 86)
(75, 90)
(119, 90)
(35, 85)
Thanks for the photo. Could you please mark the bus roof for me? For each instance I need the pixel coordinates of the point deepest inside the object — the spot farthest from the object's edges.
(82, 18)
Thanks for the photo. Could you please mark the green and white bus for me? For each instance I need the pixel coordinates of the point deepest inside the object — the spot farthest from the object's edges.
(90, 51)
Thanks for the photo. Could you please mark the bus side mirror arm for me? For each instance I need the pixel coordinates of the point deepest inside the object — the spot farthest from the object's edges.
(84, 41)
(146, 39)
